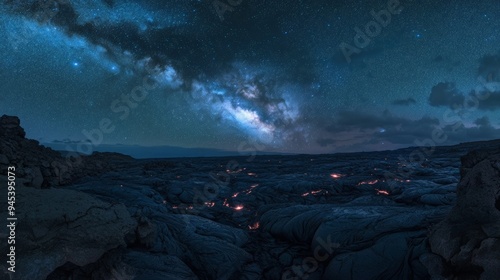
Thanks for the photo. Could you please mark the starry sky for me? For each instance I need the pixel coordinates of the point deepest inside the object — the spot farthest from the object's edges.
(290, 76)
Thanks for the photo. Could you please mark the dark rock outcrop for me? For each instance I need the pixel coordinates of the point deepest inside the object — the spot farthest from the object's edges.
(41, 167)
(10, 126)
(469, 238)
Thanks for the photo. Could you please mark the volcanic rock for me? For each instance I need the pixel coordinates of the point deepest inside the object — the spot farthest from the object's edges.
(469, 238)
(41, 167)
(60, 226)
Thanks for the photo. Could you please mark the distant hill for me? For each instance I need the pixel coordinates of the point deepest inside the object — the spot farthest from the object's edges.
(141, 152)
(144, 152)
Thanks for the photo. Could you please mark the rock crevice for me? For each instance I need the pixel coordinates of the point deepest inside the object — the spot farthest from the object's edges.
(107, 216)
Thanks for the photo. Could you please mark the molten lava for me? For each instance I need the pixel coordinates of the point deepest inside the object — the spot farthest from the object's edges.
(336, 175)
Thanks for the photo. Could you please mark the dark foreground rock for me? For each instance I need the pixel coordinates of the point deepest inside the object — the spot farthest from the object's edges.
(60, 226)
(469, 238)
(41, 167)
(352, 242)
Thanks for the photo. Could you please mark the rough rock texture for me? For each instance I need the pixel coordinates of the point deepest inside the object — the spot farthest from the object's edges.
(469, 238)
(123, 264)
(379, 241)
(11, 126)
(60, 226)
(211, 249)
(315, 217)
(41, 167)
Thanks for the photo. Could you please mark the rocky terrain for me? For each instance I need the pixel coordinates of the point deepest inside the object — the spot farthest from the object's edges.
(41, 167)
(378, 215)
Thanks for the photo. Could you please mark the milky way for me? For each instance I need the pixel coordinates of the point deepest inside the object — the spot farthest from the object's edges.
(270, 72)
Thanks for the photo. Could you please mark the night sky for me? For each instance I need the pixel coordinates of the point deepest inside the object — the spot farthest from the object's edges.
(288, 75)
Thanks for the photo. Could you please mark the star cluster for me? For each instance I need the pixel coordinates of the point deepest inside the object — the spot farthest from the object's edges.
(216, 73)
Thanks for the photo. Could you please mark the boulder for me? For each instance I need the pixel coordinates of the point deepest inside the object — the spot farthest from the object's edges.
(41, 167)
(11, 126)
(60, 226)
(384, 242)
(468, 239)
(37, 177)
(389, 258)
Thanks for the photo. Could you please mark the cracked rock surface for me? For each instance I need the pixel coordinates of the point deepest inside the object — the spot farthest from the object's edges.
(60, 226)
(345, 216)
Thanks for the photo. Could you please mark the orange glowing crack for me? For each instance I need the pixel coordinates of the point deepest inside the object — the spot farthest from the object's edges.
(382, 192)
(372, 182)
(238, 207)
(255, 226)
(336, 175)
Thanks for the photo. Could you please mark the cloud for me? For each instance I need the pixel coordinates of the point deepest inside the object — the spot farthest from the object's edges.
(404, 102)
(492, 103)
(394, 129)
(483, 130)
(346, 120)
(354, 130)
(489, 67)
(447, 95)
(484, 121)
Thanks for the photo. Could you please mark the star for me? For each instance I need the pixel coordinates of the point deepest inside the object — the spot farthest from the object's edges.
(272, 74)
